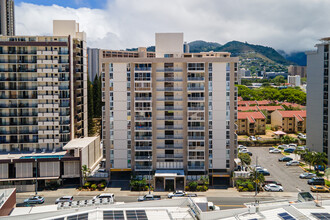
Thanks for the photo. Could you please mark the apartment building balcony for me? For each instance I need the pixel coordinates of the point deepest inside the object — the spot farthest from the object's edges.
(142, 98)
(47, 79)
(18, 132)
(21, 105)
(48, 105)
(191, 88)
(196, 98)
(170, 137)
(48, 141)
(47, 88)
(142, 138)
(48, 123)
(137, 89)
(196, 128)
(196, 118)
(18, 115)
(48, 97)
(170, 118)
(169, 70)
(141, 118)
(196, 158)
(143, 168)
(196, 168)
(169, 79)
(141, 128)
(148, 109)
(170, 146)
(53, 114)
(47, 61)
(169, 89)
(170, 156)
(46, 132)
(142, 69)
(170, 98)
(196, 78)
(170, 127)
(143, 158)
(199, 108)
(171, 108)
(143, 79)
(143, 148)
(196, 138)
(47, 53)
(47, 70)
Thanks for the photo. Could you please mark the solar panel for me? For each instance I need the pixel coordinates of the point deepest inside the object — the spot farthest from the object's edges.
(113, 215)
(136, 215)
(286, 216)
(321, 216)
(78, 217)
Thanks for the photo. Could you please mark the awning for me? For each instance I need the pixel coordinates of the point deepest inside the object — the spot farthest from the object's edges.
(31, 178)
(279, 133)
(169, 173)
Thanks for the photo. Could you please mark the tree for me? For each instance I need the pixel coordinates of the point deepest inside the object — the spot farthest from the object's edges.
(245, 158)
(90, 105)
(320, 158)
(308, 158)
(256, 177)
(97, 95)
(278, 80)
(85, 171)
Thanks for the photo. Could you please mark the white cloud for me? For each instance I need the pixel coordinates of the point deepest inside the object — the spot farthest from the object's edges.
(288, 25)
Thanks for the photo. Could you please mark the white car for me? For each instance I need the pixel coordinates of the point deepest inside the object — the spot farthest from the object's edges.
(275, 151)
(64, 199)
(294, 146)
(241, 147)
(177, 193)
(243, 151)
(293, 163)
(105, 196)
(253, 138)
(273, 188)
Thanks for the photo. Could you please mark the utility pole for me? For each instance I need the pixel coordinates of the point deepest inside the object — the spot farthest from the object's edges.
(256, 178)
(149, 157)
(36, 176)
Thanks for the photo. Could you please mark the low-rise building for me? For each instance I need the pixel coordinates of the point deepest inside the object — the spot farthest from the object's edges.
(294, 80)
(297, 70)
(251, 123)
(268, 109)
(248, 108)
(289, 121)
(21, 170)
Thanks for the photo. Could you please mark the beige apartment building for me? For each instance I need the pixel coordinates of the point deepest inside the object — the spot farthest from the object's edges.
(289, 121)
(7, 17)
(43, 89)
(251, 123)
(169, 112)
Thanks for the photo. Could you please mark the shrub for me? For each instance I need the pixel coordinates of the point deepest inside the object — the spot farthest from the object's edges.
(245, 190)
(193, 185)
(87, 185)
(206, 188)
(94, 186)
(245, 158)
(200, 188)
(186, 188)
(240, 188)
(250, 186)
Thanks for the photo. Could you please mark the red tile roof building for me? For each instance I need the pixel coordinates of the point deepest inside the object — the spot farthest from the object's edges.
(251, 123)
(289, 121)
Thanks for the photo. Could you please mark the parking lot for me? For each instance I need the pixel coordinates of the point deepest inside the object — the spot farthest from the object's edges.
(288, 176)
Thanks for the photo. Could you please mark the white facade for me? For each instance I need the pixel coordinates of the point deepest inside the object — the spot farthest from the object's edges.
(294, 80)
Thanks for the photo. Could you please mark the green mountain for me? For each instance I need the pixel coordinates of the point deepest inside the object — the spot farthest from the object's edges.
(202, 46)
(238, 48)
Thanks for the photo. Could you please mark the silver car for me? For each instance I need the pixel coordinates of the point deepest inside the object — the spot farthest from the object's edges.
(64, 199)
(307, 175)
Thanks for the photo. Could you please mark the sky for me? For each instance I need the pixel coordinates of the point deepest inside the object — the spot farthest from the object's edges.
(289, 25)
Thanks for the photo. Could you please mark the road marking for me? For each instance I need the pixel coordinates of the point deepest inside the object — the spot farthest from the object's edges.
(299, 190)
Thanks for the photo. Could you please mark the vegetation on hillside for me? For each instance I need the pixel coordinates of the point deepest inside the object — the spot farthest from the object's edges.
(202, 46)
(94, 90)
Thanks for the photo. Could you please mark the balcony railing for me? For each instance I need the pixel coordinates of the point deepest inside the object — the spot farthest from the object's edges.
(196, 128)
(142, 68)
(196, 167)
(143, 147)
(143, 158)
(190, 88)
(200, 108)
(143, 137)
(170, 127)
(196, 137)
(169, 79)
(169, 118)
(196, 98)
(143, 98)
(165, 108)
(170, 146)
(141, 118)
(169, 89)
(137, 167)
(143, 128)
(196, 78)
(169, 70)
(170, 98)
(170, 137)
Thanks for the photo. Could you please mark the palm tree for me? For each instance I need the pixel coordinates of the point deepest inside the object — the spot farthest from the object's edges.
(308, 158)
(254, 176)
(320, 158)
(85, 171)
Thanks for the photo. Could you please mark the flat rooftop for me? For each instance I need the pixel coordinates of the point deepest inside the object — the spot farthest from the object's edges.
(31, 155)
(79, 143)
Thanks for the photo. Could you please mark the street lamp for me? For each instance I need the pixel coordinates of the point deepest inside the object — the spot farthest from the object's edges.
(36, 176)
(149, 158)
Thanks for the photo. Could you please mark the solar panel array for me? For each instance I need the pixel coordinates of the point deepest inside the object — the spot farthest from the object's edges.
(286, 216)
(321, 216)
(113, 215)
(78, 217)
(136, 215)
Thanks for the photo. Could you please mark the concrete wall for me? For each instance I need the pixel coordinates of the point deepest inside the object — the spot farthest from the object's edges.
(9, 203)
(169, 43)
(276, 119)
(219, 115)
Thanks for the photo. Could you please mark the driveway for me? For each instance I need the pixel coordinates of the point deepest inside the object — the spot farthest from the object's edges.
(288, 176)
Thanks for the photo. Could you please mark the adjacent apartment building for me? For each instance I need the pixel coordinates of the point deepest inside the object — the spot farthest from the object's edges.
(318, 97)
(93, 63)
(169, 111)
(43, 89)
(7, 18)
(251, 123)
(289, 121)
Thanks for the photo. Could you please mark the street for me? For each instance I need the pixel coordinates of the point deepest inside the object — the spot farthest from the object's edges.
(288, 176)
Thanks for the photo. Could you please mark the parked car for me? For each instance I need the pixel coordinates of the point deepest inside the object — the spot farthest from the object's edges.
(293, 163)
(64, 199)
(273, 188)
(294, 146)
(275, 151)
(307, 175)
(249, 153)
(283, 146)
(35, 200)
(301, 136)
(319, 167)
(285, 159)
(148, 197)
(271, 148)
(320, 189)
(316, 181)
(289, 150)
(178, 193)
(105, 196)
(253, 138)
(264, 172)
(301, 148)
(241, 147)
(266, 182)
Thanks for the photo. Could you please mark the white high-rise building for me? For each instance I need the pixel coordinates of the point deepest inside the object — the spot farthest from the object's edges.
(169, 112)
(294, 80)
